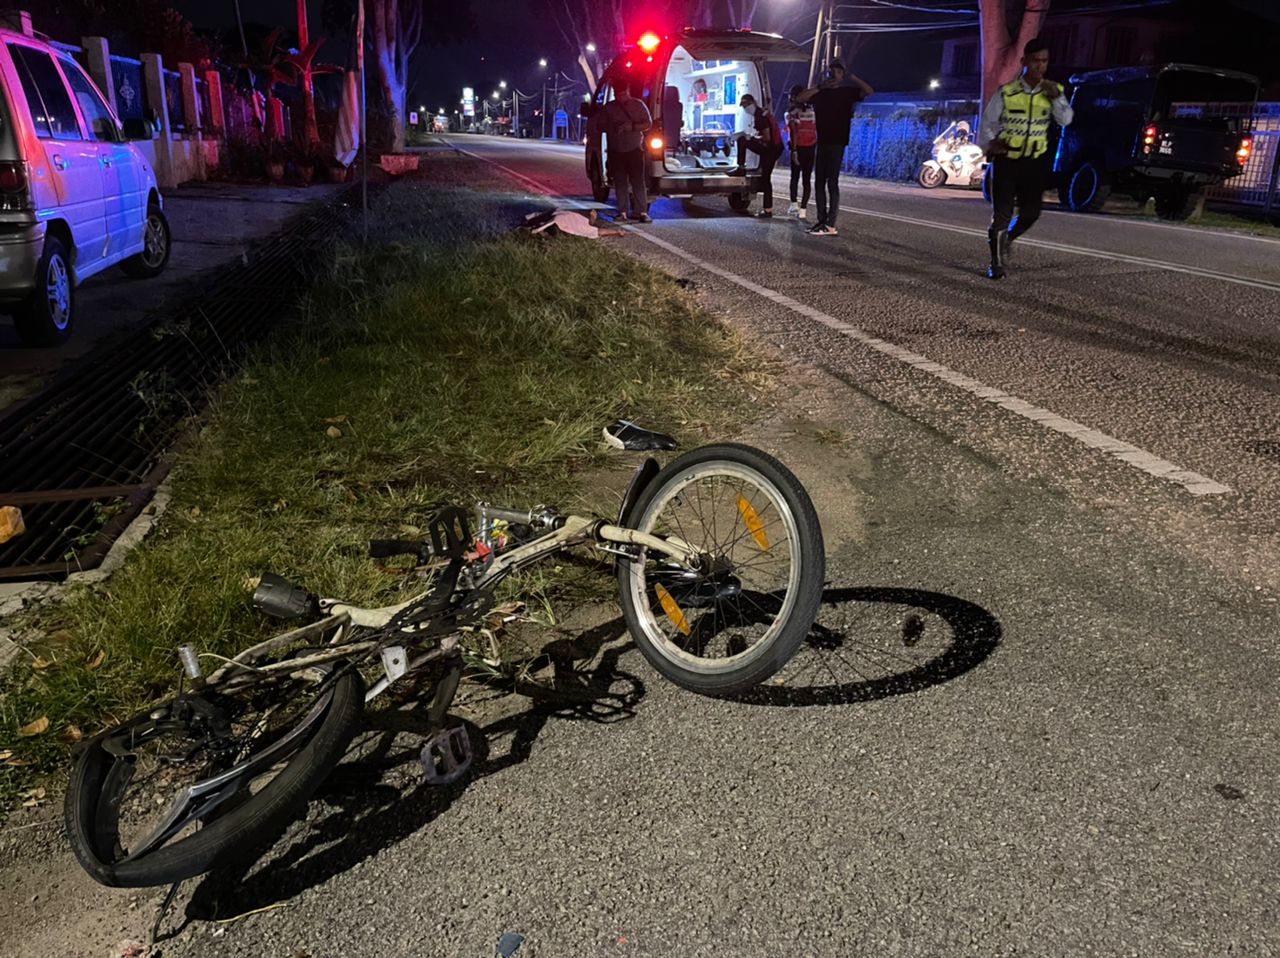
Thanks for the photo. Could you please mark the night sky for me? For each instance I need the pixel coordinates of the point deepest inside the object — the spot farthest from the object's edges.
(513, 34)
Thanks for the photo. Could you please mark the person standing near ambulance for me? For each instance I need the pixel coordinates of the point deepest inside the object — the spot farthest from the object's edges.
(834, 100)
(765, 142)
(802, 134)
(625, 119)
(1014, 132)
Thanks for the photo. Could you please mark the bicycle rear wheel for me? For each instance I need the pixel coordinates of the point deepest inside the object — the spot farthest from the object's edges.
(207, 776)
(734, 622)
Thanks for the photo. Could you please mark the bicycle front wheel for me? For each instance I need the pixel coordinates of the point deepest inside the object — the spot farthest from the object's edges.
(205, 777)
(735, 621)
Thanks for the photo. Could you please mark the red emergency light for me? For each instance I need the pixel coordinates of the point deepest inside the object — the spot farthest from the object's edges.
(649, 42)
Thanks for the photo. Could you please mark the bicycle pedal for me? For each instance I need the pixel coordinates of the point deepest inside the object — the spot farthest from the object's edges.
(447, 756)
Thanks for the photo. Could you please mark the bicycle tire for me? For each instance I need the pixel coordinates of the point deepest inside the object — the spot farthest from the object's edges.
(775, 650)
(234, 834)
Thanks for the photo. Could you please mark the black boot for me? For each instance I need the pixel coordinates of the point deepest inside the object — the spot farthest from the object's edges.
(998, 242)
(1014, 232)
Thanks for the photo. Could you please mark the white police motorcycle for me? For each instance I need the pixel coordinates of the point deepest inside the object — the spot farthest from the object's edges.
(957, 160)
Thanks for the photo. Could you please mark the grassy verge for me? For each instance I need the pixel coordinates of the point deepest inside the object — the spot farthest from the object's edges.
(450, 360)
(1208, 219)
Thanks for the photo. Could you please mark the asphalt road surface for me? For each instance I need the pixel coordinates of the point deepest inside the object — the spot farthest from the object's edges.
(1072, 477)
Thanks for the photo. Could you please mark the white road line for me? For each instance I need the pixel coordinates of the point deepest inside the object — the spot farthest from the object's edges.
(1192, 482)
(1079, 250)
(782, 182)
(1044, 244)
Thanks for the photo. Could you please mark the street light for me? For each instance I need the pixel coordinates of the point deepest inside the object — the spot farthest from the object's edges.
(934, 84)
(502, 84)
(542, 62)
(591, 48)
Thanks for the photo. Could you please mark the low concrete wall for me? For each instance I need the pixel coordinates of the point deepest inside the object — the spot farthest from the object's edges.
(212, 153)
(188, 160)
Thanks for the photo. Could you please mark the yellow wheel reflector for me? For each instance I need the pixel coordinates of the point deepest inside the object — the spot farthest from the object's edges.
(672, 609)
(752, 519)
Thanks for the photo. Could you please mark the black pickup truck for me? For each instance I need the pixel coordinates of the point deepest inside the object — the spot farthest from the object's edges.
(1166, 131)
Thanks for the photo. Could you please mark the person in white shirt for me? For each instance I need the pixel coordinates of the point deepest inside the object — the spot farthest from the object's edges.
(1014, 132)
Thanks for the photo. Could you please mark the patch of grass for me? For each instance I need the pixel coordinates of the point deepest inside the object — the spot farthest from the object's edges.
(457, 361)
(1209, 219)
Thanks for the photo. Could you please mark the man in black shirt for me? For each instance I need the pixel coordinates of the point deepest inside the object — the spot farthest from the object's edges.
(833, 102)
(766, 142)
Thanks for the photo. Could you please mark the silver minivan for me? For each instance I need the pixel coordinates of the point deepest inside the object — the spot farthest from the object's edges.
(76, 196)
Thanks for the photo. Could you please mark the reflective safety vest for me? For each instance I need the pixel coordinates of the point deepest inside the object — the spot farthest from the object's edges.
(1024, 120)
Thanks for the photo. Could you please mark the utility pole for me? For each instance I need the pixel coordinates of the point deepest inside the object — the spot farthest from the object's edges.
(364, 126)
(822, 40)
(544, 108)
(555, 102)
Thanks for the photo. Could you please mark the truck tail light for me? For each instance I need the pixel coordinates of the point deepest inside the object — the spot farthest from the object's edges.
(656, 144)
(1246, 148)
(14, 194)
(1149, 139)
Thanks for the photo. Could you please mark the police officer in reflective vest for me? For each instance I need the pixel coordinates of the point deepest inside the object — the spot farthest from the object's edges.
(1015, 134)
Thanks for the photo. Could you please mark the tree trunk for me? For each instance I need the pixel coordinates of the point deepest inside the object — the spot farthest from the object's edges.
(310, 132)
(587, 71)
(1002, 53)
(393, 44)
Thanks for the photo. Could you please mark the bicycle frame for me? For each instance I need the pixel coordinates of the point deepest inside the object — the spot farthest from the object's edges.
(341, 617)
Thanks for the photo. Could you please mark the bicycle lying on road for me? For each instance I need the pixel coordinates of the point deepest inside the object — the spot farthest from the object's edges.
(720, 567)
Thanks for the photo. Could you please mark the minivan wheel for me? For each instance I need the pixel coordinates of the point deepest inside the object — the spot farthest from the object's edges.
(156, 247)
(739, 202)
(45, 319)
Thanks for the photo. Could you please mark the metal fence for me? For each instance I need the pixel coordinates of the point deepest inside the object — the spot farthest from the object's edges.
(126, 76)
(173, 101)
(1256, 185)
(202, 98)
(238, 115)
(892, 147)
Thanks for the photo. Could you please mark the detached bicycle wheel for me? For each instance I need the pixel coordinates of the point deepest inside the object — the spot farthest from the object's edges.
(205, 777)
(735, 621)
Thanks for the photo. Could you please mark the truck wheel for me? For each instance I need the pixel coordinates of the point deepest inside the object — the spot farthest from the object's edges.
(740, 202)
(1175, 204)
(1086, 190)
(45, 319)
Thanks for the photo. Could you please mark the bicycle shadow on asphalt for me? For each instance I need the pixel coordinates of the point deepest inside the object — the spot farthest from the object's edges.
(888, 641)
(858, 651)
(377, 796)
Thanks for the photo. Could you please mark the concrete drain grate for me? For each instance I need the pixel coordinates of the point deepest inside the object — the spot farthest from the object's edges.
(84, 456)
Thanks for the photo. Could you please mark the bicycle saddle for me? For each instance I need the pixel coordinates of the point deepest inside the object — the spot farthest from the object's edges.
(627, 435)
